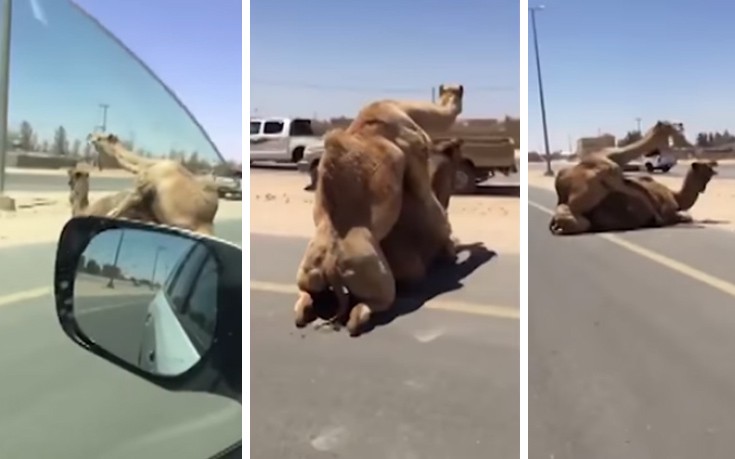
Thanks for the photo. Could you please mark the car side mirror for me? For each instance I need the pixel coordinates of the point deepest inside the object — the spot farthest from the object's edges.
(162, 303)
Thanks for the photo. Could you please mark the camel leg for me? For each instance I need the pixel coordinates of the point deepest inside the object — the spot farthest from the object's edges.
(564, 222)
(304, 310)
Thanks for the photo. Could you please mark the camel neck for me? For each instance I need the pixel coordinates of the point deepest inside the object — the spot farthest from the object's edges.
(687, 196)
(626, 154)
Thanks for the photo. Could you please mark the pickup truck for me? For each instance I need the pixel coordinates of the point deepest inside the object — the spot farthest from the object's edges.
(482, 158)
(653, 161)
(280, 140)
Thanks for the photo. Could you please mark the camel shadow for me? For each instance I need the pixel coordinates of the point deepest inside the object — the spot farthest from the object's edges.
(441, 278)
(696, 224)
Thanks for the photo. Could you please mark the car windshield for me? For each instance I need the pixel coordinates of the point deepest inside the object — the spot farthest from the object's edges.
(69, 77)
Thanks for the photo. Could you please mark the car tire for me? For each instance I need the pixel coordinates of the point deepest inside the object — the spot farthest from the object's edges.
(665, 169)
(297, 155)
(649, 168)
(465, 180)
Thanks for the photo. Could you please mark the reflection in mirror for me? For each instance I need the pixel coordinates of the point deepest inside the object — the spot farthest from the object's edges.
(149, 298)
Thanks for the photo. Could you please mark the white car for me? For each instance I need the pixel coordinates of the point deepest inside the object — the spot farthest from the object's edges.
(658, 161)
(180, 321)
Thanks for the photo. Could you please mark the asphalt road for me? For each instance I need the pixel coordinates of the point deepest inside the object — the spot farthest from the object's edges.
(680, 170)
(630, 342)
(439, 382)
(38, 182)
(60, 402)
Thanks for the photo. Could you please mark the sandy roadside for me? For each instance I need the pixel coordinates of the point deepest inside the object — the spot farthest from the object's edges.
(40, 217)
(62, 172)
(713, 208)
(279, 205)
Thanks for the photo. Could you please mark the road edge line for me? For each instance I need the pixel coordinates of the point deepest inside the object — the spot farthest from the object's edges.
(500, 312)
(674, 265)
(24, 295)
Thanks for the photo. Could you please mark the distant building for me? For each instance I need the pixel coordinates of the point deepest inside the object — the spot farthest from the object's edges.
(590, 144)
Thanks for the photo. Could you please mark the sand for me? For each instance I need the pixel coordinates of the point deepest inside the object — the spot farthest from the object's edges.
(279, 205)
(40, 216)
(713, 208)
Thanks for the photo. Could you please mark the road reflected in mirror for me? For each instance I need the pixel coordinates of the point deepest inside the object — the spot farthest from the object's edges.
(149, 298)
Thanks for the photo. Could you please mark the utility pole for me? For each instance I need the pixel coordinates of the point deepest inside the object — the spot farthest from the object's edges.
(6, 202)
(111, 282)
(533, 9)
(433, 94)
(638, 123)
(104, 108)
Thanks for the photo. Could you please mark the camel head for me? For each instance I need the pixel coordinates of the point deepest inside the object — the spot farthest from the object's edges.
(700, 173)
(451, 95)
(666, 131)
(443, 164)
(78, 187)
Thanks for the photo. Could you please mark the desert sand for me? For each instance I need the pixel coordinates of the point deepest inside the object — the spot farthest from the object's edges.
(715, 207)
(279, 205)
(40, 216)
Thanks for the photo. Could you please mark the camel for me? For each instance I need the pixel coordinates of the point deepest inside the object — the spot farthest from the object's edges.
(618, 212)
(582, 187)
(79, 200)
(177, 197)
(362, 177)
(408, 250)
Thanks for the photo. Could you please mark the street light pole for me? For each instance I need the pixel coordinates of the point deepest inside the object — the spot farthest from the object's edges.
(6, 203)
(638, 123)
(533, 10)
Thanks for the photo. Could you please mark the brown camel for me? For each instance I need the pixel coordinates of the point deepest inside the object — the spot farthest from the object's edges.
(80, 205)
(177, 197)
(363, 175)
(409, 250)
(618, 212)
(582, 187)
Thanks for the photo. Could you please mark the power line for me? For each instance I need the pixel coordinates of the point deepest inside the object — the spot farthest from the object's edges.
(394, 90)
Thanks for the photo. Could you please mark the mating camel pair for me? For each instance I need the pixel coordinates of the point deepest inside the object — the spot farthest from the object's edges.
(165, 192)
(595, 195)
(377, 218)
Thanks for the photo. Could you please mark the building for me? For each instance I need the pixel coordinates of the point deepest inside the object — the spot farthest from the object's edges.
(590, 144)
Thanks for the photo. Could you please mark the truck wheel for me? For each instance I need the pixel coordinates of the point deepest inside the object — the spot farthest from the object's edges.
(297, 154)
(665, 169)
(465, 180)
(650, 168)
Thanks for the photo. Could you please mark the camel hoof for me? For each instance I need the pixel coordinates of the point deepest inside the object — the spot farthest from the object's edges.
(304, 312)
(359, 318)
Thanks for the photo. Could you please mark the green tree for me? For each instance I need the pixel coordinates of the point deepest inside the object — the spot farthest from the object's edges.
(61, 143)
(702, 139)
(26, 136)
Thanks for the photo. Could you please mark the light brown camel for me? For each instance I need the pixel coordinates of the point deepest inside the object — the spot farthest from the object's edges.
(618, 212)
(409, 250)
(363, 174)
(177, 197)
(80, 205)
(582, 187)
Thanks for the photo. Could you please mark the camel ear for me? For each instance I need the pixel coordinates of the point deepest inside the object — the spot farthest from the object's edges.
(461, 90)
(112, 138)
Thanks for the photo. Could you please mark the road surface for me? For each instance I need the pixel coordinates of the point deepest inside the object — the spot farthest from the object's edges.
(440, 382)
(42, 182)
(631, 338)
(60, 402)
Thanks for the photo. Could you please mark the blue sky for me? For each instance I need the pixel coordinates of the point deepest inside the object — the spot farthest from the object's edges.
(606, 63)
(330, 58)
(62, 68)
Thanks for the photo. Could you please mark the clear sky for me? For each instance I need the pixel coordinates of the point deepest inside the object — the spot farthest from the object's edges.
(62, 68)
(606, 63)
(329, 58)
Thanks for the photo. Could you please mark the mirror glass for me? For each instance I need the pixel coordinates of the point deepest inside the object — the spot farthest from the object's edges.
(149, 298)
